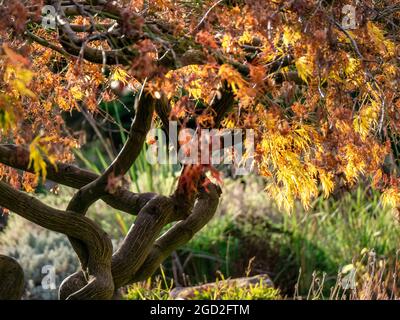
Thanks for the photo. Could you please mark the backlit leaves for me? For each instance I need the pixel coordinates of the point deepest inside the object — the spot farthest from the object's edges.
(120, 74)
(37, 152)
(290, 36)
(232, 77)
(391, 197)
(304, 68)
(16, 74)
(324, 102)
(386, 46)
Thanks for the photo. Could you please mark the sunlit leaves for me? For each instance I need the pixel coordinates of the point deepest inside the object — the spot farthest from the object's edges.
(232, 77)
(327, 182)
(367, 118)
(245, 38)
(391, 197)
(16, 74)
(285, 159)
(290, 36)
(352, 66)
(29, 181)
(200, 82)
(77, 93)
(324, 102)
(37, 152)
(386, 46)
(120, 74)
(304, 68)
(19, 79)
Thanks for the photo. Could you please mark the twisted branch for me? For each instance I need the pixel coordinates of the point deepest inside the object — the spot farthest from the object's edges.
(139, 256)
(72, 176)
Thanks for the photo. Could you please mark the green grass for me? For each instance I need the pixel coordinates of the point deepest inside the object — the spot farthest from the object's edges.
(337, 231)
(157, 288)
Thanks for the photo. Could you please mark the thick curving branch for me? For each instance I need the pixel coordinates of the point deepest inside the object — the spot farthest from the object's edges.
(100, 283)
(158, 212)
(72, 176)
(96, 189)
(126, 261)
(93, 191)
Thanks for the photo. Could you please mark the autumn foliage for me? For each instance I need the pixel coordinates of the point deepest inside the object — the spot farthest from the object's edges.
(323, 99)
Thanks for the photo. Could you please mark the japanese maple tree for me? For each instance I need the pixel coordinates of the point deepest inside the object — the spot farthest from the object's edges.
(321, 97)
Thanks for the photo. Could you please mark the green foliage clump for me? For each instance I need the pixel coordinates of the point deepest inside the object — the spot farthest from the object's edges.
(258, 291)
(160, 288)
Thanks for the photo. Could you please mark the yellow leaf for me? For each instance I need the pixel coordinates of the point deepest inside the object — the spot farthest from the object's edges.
(232, 76)
(36, 160)
(245, 38)
(290, 36)
(390, 197)
(77, 93)
(120, 74)
(227, 43)
(19, 78)
(326, 183)
(352, 66)
(304, 68)
(62, 103)
(20, 86)
(375, 33)
(366, 119)
(378, 37)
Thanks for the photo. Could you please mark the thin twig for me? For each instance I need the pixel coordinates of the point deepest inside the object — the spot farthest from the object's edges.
(206, 15)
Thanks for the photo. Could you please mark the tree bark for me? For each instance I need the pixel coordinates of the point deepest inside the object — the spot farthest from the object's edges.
(11, 279)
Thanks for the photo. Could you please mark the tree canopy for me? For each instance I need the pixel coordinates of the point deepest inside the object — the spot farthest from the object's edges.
(317, 81)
